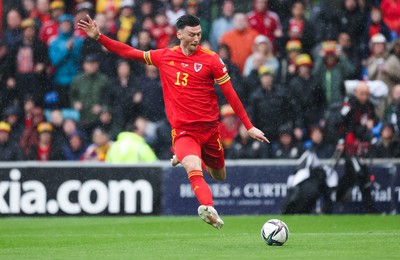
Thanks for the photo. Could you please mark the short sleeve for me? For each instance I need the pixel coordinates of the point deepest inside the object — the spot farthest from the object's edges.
(220, 72)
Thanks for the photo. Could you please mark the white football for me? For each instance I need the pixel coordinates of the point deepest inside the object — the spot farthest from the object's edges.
(275, 232)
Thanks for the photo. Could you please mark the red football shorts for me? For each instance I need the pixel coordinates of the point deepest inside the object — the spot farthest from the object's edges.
(203, 141)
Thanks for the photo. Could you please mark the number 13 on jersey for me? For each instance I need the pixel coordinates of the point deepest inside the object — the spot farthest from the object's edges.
(181, 80)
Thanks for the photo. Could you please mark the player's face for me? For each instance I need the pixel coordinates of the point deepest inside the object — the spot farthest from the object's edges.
(190, 37)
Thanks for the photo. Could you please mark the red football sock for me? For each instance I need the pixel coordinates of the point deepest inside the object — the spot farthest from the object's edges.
(200, 188)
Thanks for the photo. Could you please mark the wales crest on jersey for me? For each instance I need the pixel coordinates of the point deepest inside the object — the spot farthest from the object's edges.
(197, 66)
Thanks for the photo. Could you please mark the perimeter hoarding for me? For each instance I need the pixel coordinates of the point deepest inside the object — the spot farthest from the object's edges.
(261, 189)
(80, 191)
(65, 189)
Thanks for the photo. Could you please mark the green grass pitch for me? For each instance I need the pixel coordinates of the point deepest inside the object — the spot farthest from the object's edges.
(311, 237)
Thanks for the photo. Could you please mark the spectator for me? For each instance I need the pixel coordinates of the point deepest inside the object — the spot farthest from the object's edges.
(149, 97)
(287, 147)
(374, 26)
(123, 95)
(29, 9)
(28, 63)
(306, 95)
(12, 115)
(162, 32)
(351, 52)
(109, 124)
(57, 121)
(319, 146)
(378, 56)
(12, 33)
(264, 21)
(42, 13)
(8, 95)
(49, 29)
(110, 23)
(287, 63)
(175, 10)
(268, 106)
(263, 46)
(9, 150)
(87, 93)
(75, 148)
(244, 147)
(352, 21)
(65, 55)
(391, 10)
(299, 28)
(126, 21)
(229, 126)
(130, 147)
(98, 149)
(240, 40)
(29, 136)
(145, 10)
(29, 108)
(69, 126)
(389, 72)
(392, 110)
(46, 148)
(143, 42)
(332, 68)
(359, 118)
(388, 145)
(222, 24)
(327, 24)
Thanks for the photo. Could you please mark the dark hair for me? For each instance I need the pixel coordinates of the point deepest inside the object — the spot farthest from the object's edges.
(187, 20)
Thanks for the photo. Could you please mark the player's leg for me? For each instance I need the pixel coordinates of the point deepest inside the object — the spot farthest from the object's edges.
(188, 152)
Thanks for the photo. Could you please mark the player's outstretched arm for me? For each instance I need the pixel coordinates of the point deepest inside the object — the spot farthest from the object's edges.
(123, 50)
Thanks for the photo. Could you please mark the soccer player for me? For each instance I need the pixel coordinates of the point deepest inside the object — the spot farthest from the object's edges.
(188, 73)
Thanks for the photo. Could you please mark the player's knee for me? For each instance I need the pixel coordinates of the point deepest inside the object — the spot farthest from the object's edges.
(191, 163)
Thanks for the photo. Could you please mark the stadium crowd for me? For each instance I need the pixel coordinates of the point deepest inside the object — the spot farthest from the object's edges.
(65, 97)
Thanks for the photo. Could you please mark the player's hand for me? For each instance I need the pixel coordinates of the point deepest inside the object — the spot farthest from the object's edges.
(257, 134)
(90, 27)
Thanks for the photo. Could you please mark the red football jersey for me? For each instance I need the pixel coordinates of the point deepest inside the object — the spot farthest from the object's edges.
(188, 83)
